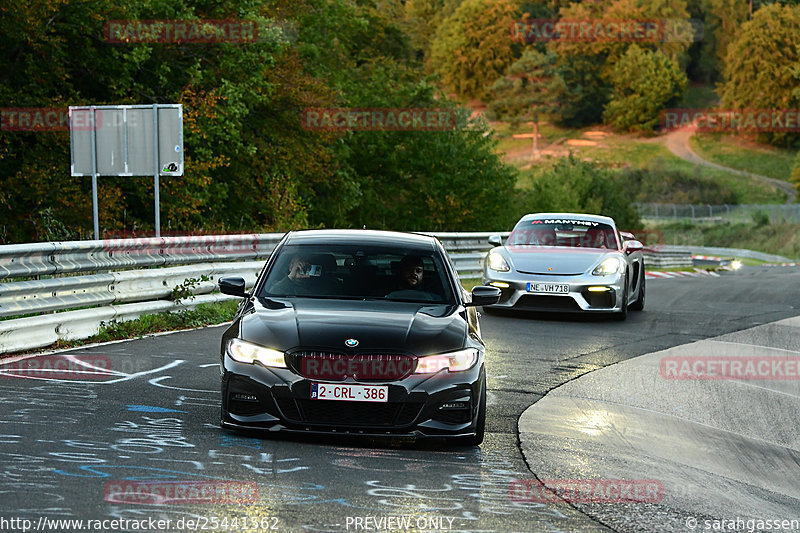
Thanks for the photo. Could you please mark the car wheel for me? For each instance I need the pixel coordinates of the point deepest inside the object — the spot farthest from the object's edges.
(638, 304)
(623, 315)
(480, 424)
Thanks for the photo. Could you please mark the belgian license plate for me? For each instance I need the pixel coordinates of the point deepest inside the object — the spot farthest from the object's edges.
(350, 393)
(549, 288)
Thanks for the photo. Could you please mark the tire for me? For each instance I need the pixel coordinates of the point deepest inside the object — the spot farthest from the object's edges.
(638, 304)
(480, 424)
(623, 315)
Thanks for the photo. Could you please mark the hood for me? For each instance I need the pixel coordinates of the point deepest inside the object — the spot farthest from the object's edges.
(562, 261)
(378, 326)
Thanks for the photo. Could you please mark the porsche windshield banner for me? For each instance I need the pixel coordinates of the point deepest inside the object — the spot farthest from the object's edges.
(565, 221)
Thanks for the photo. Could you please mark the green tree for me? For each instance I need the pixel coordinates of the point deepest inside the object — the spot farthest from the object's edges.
(531, 89)
(423, 18)
(396, 179)
(473, 47)
(722, 20)
(644, 83)
(250, 166)
(236, 98)
(761, 66)
(587, 66)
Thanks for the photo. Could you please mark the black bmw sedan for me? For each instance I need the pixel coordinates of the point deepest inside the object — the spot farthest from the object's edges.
(356, 332)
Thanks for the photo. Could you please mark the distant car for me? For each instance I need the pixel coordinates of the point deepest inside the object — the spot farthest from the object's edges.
(567, 262)
(373, 336)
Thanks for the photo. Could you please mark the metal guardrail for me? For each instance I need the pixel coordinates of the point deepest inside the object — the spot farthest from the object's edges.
(124, 278)
(51, 258)
(671, 259)
(725, 252)
(55, 294)
(719, 213)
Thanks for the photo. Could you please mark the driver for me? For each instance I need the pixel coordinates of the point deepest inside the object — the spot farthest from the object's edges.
(408, 280)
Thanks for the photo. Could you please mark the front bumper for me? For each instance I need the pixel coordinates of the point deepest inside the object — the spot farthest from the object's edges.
(606, 298)
(261, 398)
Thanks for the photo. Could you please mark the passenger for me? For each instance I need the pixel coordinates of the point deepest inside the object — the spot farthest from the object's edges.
(409, 273)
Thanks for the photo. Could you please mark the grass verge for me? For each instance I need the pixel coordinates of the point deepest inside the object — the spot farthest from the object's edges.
(202, 315)
(780, 239)
(735, 152)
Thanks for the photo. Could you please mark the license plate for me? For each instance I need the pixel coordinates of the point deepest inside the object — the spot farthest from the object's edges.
(549, 288)
(350, 393)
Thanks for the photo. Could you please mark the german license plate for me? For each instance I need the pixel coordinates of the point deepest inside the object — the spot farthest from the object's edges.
(549, 288)
(350, 393)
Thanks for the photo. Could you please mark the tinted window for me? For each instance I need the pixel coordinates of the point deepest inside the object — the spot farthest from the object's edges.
(572, 233)
(358, 272)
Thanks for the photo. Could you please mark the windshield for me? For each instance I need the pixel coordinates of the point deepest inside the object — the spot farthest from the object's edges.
(358, 272)
(569, 233)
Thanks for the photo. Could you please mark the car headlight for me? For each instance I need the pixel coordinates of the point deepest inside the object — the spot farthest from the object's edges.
(609, 266)
(246, 352)
(453, 362)
(498, 263)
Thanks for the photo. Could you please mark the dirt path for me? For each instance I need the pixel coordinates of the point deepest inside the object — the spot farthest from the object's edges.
(677, 142)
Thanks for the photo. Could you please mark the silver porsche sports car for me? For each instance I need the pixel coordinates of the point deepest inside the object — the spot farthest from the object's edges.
(567, 262)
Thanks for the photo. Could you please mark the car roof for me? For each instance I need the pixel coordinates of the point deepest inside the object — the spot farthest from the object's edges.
(578, 216)
(362, 236)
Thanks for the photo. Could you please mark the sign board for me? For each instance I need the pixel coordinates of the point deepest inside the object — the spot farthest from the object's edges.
(123, 140)
(126, 140)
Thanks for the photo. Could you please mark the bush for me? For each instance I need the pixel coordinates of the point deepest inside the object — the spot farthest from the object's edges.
(664, 186)
(581, 187)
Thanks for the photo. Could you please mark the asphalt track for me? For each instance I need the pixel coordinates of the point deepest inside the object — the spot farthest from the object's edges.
(100, 445)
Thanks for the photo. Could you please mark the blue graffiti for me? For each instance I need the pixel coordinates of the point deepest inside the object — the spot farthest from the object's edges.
(151, 409)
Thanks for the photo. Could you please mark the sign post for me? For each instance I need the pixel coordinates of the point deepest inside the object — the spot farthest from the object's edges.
(126, 140)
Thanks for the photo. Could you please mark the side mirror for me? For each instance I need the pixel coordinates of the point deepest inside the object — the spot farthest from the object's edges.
(233, 286)
(632, 246)
(627, 236)
(483, 295)
(495, 240)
